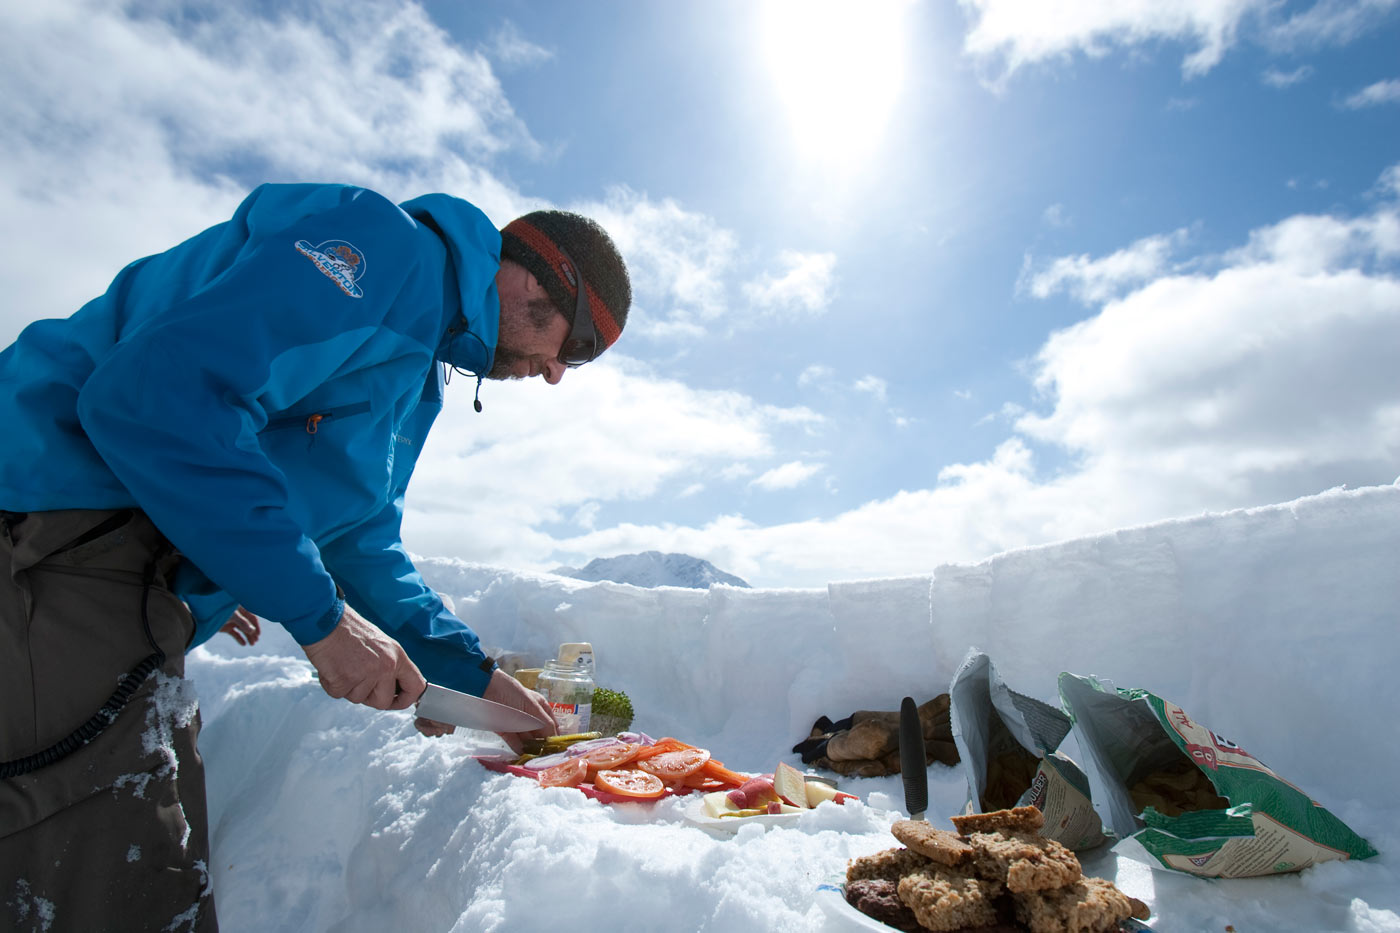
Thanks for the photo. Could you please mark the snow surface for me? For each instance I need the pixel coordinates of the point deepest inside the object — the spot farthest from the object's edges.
(1276, 627)
(652, 568)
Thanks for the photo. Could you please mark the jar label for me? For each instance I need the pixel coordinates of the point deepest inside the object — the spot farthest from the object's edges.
(571, 718)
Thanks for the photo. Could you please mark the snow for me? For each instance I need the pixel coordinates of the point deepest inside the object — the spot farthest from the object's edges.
(1276, 627)
(652, 568)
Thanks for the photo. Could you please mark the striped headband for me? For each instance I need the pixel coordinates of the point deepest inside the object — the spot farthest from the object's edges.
(537, 242)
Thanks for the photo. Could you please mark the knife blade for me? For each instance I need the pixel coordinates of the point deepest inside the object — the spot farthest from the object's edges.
(913, 766)
(462, 709)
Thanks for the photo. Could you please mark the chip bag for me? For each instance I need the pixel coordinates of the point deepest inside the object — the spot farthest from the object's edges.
(1006, 742)
(1184, 798)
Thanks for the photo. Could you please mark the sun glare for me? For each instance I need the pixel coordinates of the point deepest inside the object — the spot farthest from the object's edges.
(838, 66)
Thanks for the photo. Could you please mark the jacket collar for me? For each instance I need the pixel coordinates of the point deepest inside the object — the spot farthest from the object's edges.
(471, 305)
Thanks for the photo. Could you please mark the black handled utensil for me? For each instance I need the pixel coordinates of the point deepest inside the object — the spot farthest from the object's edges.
(913, 767)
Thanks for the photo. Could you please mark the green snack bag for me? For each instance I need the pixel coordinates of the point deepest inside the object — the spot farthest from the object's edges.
(1182, 797)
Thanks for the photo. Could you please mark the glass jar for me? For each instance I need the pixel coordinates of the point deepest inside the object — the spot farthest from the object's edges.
(568, 689)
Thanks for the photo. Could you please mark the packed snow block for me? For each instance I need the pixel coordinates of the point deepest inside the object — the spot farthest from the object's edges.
(1112, 602)
(649, 643)
(1319, 575)
(1183, 797)
(882, 645)
(764, 663)
(1322, 576)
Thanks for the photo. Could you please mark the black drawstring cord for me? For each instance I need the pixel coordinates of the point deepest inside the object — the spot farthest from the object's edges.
(447, 380)
(105, 716)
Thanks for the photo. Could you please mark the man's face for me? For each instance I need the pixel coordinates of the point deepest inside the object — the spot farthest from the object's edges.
(531, 331)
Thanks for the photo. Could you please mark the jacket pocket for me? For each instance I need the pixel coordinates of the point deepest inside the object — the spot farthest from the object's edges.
(312, 421)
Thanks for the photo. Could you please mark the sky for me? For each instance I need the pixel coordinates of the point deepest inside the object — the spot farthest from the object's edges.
(915, 284)
(330, 817)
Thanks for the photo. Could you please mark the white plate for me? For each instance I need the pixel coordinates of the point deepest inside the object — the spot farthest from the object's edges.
(694, 812)
(831, 896)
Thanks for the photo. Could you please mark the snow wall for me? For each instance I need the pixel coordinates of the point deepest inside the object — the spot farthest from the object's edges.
(1277, 627)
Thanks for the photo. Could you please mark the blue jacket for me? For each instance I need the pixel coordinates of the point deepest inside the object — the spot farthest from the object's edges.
(262, 391)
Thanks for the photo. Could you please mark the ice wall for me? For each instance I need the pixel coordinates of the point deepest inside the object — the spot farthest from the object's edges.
(1278, 627)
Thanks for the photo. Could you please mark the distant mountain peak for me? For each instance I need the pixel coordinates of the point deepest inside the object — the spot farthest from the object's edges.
(653, 568)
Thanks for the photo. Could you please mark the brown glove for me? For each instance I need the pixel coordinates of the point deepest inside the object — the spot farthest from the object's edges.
(869, 745)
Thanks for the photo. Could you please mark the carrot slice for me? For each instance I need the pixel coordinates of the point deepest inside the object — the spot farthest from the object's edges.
(701, 782)
(661, 747)
(717, 771)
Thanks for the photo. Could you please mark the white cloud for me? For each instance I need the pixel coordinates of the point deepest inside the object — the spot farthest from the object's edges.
(1023, 32)
(586, 515)
(1008, 35)
(1268, 378)
(1328, 22)
(1373, 95)
(679, 258)
(872, 385)
(610, 432)
(1097, 280)
(1273, 77)
(1265, 380)
(815, 373)
(1389, 182)
(1055, 216)
(787, 476)
(806, 285)
(1314, 244)
(510, 49)
(735, 471)
(123, 132)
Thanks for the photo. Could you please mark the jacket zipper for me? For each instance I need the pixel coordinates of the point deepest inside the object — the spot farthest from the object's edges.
(311, 422)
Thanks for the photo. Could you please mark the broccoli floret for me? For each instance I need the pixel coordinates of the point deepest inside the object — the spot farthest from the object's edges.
(612, 703)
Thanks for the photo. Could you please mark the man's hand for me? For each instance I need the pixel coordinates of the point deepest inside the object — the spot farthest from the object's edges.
(507, 691)
(360, 663)
(243, 626)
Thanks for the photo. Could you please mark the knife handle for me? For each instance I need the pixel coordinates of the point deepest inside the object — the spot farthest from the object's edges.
(913, 768)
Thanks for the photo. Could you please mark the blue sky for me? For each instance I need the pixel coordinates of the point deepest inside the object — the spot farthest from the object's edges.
(916, 282)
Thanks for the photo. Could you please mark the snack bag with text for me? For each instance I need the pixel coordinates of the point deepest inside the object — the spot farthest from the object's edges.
(1006, 742)
(1184, 798)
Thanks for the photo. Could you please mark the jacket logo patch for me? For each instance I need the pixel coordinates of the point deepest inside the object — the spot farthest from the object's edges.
(340, 261)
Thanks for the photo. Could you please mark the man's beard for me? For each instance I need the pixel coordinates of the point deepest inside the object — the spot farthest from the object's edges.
(501, 364)
(521, 322)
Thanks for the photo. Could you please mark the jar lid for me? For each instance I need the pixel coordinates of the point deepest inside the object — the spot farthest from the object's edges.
(576, 652)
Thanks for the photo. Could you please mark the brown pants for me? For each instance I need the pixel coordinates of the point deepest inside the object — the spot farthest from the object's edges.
(114, 836)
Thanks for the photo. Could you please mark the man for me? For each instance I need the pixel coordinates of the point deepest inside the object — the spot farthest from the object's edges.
(227, 433)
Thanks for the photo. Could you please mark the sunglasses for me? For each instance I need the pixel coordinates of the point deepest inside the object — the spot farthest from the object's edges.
(581, 346)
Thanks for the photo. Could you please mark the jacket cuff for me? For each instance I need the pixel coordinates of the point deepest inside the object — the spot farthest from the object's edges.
(475, 677)
(310, 629)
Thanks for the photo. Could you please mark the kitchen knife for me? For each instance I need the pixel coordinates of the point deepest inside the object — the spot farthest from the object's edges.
(913, 767)
(463, 709)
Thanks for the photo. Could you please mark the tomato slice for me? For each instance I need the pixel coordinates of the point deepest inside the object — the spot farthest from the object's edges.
(610, 756)
(672, 766)
(630, 784)
(569, 774)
